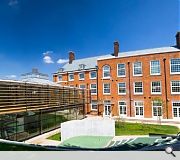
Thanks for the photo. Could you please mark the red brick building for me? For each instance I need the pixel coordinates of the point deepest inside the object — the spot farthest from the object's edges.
(143, 84)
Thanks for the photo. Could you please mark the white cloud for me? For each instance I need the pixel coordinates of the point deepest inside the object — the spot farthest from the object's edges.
(47, 58)
(11, 76)
(47, 53)
(61, 61)
(13, 2)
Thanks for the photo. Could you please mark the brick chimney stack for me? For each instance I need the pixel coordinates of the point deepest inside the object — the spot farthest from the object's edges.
(71, 57)
(116, 48)
(178, 40)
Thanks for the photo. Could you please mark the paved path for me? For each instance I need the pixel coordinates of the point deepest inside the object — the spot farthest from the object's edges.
(42, 139)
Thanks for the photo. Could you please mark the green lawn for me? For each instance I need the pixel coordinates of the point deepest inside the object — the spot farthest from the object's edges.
(55, 137)
(124, 128)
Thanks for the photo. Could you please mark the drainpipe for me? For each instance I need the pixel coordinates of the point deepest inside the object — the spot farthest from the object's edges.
(97, 84)
(165, 81)
(87, 97)
(129, 79)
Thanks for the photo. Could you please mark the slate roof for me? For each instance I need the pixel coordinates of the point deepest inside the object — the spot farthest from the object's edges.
(91, 62)
(144, 52)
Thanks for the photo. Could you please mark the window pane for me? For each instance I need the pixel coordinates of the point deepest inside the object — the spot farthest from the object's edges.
(121, 70)
(141, 111)
(122, 107)
(71, 76)
(122, 88)
(155, 67)
(82, 86)
(176, 109)
(93, 74)
(175, 86)
(93, 88)
(137, 68)
(106, 71)
(139, 108)
(157, 108)
(106, 88)
(175, 65)
(94, 104)
(175, 112)
(156, 87)
(81, 75)
(138, 88)
(60, 77)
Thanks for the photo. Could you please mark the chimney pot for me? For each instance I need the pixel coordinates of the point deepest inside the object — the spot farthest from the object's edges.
(116, 48)
(71, 57)
(178, 39)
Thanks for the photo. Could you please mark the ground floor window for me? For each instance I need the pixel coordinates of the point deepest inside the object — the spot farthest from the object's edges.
(139, 108)
(122, 108)
(157, 108)
(176, 109)
(94, 105)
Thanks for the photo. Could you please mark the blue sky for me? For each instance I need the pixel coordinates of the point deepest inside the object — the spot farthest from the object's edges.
(39, 33)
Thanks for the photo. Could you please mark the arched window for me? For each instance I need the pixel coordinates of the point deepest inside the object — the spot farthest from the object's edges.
(106, 71)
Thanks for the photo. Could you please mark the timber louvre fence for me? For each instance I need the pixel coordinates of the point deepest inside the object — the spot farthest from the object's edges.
(29, 109)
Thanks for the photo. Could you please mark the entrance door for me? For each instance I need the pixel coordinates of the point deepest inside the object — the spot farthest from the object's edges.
(107, 110)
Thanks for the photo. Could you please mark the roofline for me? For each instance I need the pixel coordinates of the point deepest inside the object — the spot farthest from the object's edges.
(101, 59)
(84, 70)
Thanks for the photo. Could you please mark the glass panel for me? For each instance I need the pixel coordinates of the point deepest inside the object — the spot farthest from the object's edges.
(106, 71)
(175, 65)
(137, 68)
(121, 70)
(155, 67)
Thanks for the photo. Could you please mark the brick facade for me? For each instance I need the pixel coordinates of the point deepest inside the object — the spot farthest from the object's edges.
(146, 78)
(132, 105)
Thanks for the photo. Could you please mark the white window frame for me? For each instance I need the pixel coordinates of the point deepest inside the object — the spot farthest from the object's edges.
(152, 88)
(119, 69)
(80, 77)
(108, 77)
(69, 76)
(95, 104)
(124, 87)
(157, 111)
(171, 87)
(171, 66)
(152, 66)
(134, 68)
(139, 93)
(90, 74)
(107, 103)
(109, 89)
(178, 110)
(82, 85)
(93, 88)
(61, 78)
(139, 116)
(122, 115)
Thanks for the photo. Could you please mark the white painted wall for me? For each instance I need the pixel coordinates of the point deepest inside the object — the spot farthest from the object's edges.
(92, 126)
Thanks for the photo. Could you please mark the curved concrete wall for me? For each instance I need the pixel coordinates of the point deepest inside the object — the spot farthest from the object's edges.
(94, 126)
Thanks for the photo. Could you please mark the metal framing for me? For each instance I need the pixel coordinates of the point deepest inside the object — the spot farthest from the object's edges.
(30, 109)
